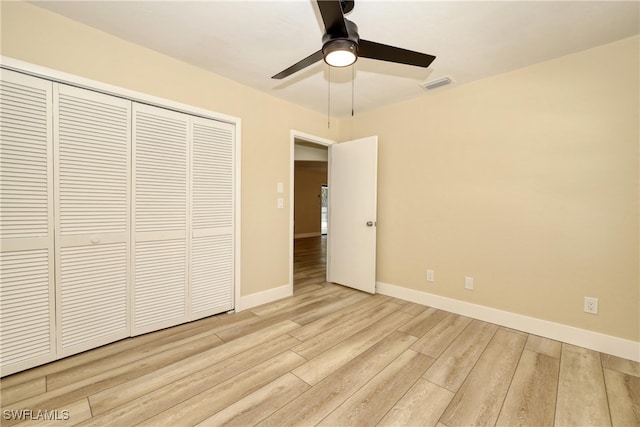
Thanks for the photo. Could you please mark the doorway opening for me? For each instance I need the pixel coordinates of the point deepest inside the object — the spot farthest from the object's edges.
(309, 208)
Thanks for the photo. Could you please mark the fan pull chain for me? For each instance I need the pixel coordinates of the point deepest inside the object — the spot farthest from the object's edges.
(329, 101)
(353, 83)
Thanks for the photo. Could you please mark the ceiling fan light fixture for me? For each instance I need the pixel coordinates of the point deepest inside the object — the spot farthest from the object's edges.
(340, 53)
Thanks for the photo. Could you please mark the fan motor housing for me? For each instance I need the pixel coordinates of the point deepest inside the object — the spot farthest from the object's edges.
(352, 34)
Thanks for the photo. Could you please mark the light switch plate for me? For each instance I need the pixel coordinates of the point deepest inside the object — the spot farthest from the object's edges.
(280, 188)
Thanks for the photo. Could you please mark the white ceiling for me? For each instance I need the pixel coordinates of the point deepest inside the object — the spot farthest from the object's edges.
(249, 41)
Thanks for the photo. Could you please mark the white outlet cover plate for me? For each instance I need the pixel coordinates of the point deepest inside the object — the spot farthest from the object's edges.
(468, 283)
(591, 305)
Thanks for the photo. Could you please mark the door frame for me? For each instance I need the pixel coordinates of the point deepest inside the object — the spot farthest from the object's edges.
(293, 136)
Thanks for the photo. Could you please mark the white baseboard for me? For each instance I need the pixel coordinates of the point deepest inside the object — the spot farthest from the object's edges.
(249, 301)
(608, 344)
(303, 235)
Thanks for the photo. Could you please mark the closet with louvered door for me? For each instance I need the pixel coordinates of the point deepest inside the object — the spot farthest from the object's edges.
(212, 217)
(92, 161)
(161, 218)
(27, 310)
(116, 219)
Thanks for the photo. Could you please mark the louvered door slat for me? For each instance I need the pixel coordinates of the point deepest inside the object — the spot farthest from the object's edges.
(26, 215)
(93, 146)
(161, 141)
(212, 266)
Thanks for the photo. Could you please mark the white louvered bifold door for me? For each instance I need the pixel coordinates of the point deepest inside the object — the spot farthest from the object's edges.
(92, 151)
(161, 218)
(212, 269)
(27, 311)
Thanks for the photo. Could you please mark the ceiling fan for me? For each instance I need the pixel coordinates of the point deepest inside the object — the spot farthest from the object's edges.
(341, 44)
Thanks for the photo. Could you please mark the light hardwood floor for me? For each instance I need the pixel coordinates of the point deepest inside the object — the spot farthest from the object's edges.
(332, 356)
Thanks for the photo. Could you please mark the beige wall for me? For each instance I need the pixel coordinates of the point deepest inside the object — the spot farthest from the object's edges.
(309, 177)
(527, 181)
(40, 37)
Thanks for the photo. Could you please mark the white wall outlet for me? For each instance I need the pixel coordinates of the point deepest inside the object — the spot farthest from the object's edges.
(468, 283)
(280, 203)
(591, 305)
(430, 276)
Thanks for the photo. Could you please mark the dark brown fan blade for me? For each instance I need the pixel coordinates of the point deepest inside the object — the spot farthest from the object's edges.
(384, 52)
(333, 18)
(311, 59)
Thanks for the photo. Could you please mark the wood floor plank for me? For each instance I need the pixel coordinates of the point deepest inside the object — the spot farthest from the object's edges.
(192, 411)
(330, 308)
(324, 364)
(582, 398)
(453, 366)
(309, 307)
(265, 322)
(126, 392)
(621, 365)
(413, 308)
(623, 392)
(307, 287)
(319, 401)
(423, 322)
(320, 343)
(544, 346)
(434, 342)
(18, 392)
(296, 301)
(480, 397)
(398, 301)
(263, 402)
(422, 405)
(344, 316)
(531, 399)
(370, 403)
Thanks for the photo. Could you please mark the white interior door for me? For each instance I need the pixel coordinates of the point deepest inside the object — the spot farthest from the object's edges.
(27, 335)
(212, 212)
(160, 218)
(92, 159)
(353, 169)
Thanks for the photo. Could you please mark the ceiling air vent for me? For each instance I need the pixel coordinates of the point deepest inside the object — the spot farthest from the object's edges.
(430, 85)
